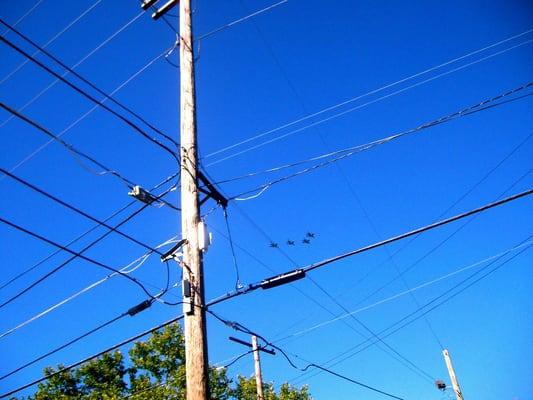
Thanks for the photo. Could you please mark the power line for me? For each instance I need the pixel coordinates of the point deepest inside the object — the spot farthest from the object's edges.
(49, 42)
(76, 254)
(127, 269)
(131, 312)
(338, 105)
(419, 230)
(485, 176)
(338, 155)
(84, 234)
(219, 29)
(77, 210)
(91, 98)
(238, 284)
(438, 245)
(68, 146)
(405, 292)
(91, 84)
(81, 61)
(63, 346)
(86, 114)
(66, 249)
(241, 328)
(78, 363)
(464, 195)
(230, 24)
(347, 352)
(330, 118)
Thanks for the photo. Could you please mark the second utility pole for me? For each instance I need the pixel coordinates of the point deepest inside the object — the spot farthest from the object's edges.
(257, 364)
(451, 371)
(196, 363)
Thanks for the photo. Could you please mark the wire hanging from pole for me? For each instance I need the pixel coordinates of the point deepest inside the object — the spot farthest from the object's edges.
(238, 284)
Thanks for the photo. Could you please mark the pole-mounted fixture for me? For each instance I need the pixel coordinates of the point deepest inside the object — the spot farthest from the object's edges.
(171, 253)
(236, 340)
(146, 4)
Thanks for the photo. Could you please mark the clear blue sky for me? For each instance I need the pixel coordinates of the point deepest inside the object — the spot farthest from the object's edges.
(296, 59)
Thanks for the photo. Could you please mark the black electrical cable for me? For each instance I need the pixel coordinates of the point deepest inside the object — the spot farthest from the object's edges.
(77, 210)
(91, 84)
(255, 286)
(74, 253)
(435, 247)
(300, 273)
(132, 311)
(67, 145)
(82, 235)
(78, 363)
(420, 230)
(230, 238)
(91, 98)
(63, 346)
(241, 328)
(384, 333)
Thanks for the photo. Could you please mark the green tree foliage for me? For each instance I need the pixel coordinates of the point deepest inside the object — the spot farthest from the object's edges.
(155, 370)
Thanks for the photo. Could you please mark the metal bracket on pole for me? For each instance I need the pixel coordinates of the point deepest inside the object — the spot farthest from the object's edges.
(146, 4)
(211, 192)
(263, 349)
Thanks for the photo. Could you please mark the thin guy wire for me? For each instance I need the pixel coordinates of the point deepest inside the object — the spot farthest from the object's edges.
(24, 16)
(238, 284)
(351, 190)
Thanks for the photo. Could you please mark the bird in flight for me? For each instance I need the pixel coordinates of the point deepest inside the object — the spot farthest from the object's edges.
(310, 235)
(274, 245)
(306, 241)
(290, 242)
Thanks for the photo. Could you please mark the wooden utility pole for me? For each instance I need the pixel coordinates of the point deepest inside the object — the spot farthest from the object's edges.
(196, 363)
(257, 364)
(453, 378)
